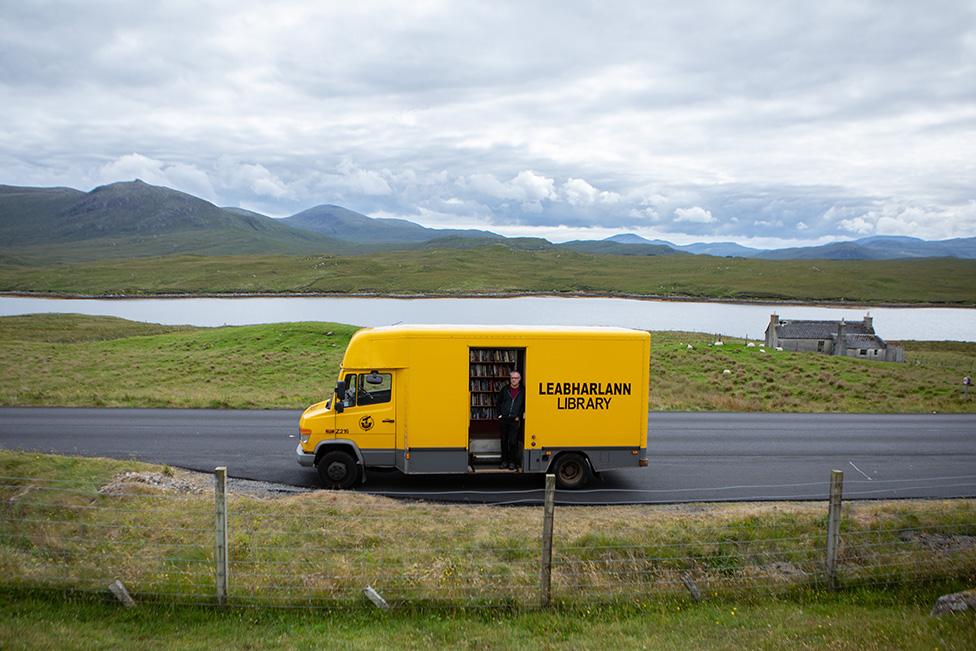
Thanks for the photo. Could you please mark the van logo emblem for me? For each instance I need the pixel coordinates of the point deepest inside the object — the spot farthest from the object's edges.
(366, 422)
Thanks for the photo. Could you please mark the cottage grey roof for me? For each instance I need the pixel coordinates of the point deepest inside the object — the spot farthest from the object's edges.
(864, 341)
(819, 329)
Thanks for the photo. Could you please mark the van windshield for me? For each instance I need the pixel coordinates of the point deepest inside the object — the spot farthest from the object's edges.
(367, 389)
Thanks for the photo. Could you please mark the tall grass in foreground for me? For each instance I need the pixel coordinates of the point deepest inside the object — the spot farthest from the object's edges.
(94, 523)
(862, 619)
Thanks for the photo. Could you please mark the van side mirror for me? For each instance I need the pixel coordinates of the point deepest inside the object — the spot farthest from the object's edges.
(340, 394)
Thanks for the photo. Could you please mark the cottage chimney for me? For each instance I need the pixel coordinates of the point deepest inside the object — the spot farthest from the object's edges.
(771, 339)
(840, 347)
(869, 323)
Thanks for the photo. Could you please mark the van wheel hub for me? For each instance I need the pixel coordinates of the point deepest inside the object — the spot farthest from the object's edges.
(337, 471)
(570, 471)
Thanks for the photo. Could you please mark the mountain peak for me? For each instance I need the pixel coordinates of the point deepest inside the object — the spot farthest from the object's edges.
(628, 238)
(880, 239)
(122, 185)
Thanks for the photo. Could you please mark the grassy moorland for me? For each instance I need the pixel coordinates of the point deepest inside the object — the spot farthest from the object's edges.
(499, 268)
(468, 577)
(73, 360)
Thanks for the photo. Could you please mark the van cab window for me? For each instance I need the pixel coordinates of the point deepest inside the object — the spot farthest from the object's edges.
(349, 400)
(375, 388)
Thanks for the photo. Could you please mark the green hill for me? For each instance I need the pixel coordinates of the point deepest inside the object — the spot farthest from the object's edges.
(345, 224)
(28, 214)
(135, 219)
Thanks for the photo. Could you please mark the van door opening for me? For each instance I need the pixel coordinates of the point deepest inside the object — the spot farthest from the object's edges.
(489, 370)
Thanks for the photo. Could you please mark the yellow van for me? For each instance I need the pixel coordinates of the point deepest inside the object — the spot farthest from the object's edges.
(424, 399)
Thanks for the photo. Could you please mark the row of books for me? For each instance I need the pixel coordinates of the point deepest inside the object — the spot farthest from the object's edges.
(487, 386)
(483, 413)
(492, 355)
(482, 400)
(490, 370)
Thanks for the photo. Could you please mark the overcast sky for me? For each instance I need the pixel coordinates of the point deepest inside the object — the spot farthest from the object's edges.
(767, 123)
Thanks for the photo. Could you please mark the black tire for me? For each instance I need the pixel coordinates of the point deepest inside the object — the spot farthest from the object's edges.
(338, 470)
(572, 471)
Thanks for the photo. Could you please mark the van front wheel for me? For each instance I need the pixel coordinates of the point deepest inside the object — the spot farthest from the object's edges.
(572, 471)
(338, 470)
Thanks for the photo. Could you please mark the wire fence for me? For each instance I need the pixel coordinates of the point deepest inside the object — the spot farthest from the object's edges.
(321, 548)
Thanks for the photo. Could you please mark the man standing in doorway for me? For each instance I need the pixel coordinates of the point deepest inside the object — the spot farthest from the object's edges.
(510, 402)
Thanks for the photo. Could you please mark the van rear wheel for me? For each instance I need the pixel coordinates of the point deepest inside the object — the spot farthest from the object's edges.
(572, 471)
(338, 469)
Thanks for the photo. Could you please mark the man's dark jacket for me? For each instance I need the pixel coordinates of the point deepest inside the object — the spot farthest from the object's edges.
(509, 407)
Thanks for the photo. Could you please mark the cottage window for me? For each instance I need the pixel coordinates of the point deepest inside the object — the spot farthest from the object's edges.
(820, 346)
(863, 351)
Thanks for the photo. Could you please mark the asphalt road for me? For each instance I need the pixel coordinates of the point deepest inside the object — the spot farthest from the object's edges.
(693, 456)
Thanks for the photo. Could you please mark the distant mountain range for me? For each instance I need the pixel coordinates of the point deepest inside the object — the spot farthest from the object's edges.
(877, 247)
(699, 248)
(135, 219)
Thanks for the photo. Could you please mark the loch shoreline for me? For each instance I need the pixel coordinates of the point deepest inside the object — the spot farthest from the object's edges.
(771, 301)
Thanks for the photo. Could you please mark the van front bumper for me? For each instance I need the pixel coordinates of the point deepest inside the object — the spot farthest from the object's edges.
(304, 458)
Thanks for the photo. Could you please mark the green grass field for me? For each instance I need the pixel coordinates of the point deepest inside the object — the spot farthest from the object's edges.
(498, 268)
(868, 619)
(73, 360)
(468, 577)
(102, 361)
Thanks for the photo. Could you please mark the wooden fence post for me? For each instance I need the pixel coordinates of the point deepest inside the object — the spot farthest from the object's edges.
(220, 544)
(833, 525)
(545, 587)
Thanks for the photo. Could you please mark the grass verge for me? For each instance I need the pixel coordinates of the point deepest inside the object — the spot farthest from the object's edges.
(865, 619)
(73, 360)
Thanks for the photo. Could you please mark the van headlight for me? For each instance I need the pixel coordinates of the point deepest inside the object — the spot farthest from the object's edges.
(304, 435)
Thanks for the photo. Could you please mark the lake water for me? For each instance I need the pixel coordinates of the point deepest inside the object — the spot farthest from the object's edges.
(738, 320)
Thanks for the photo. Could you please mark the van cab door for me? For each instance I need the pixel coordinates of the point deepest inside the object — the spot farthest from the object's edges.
(369, 418)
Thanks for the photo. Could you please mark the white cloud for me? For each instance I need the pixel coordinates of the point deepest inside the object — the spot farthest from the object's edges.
(527, 187)
(253, 177)
(363, 181)
(580, 193)
(695, 215)
(488, 185)
(645, 214)
(858, 225)
(908, 219)
(535, 187)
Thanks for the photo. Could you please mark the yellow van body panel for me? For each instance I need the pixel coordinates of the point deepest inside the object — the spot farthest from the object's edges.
(585, 387)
